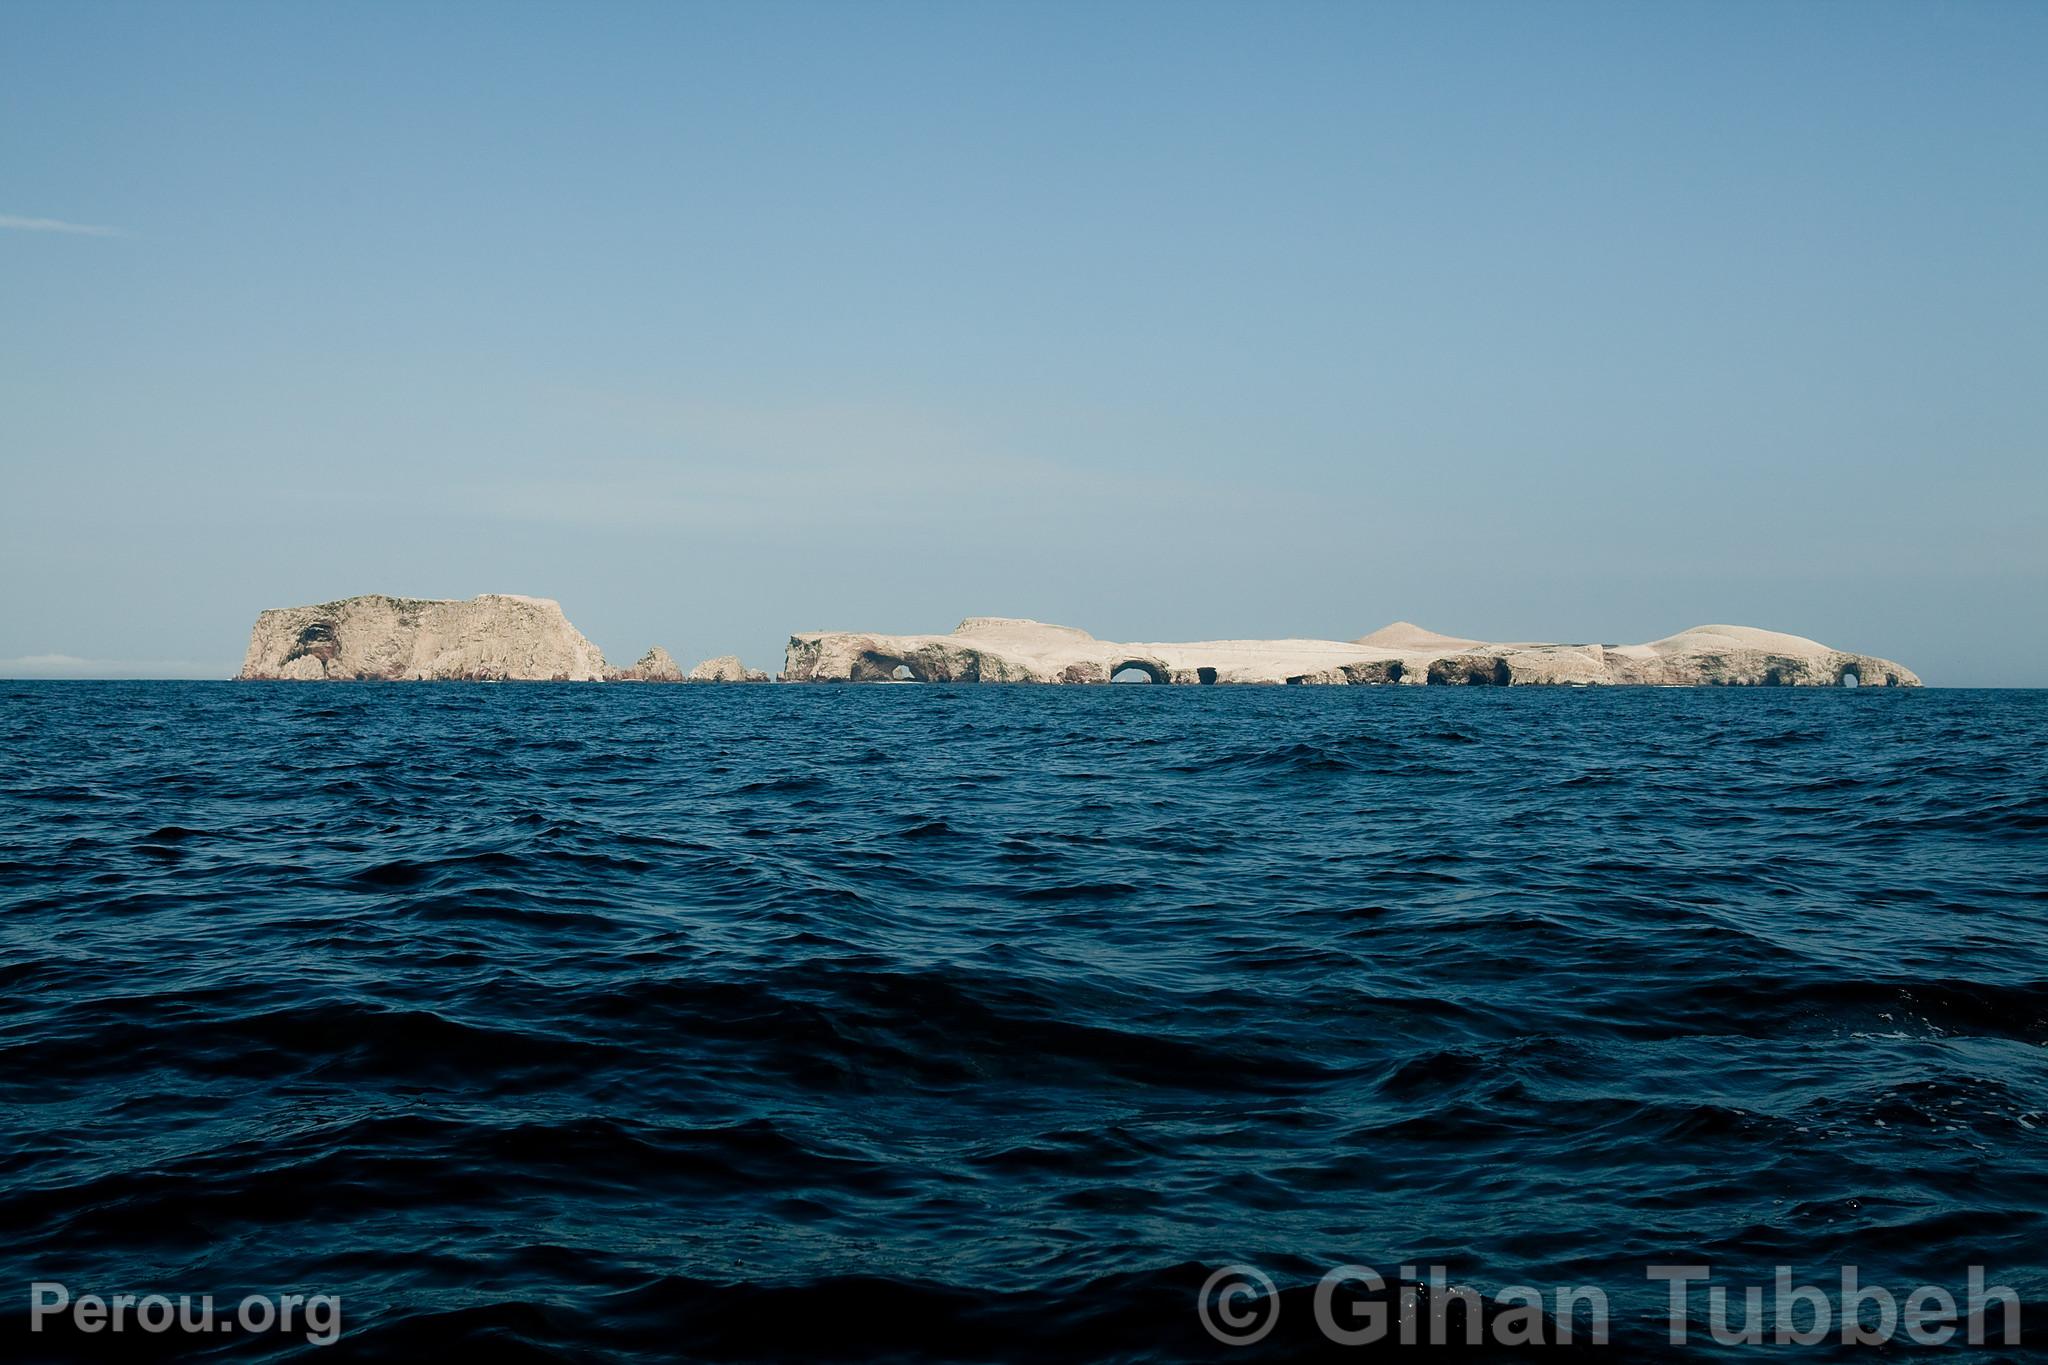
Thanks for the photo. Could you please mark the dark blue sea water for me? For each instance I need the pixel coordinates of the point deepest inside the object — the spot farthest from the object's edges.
(783, 1023)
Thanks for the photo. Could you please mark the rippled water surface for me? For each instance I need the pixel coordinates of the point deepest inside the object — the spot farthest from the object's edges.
(981, 1023)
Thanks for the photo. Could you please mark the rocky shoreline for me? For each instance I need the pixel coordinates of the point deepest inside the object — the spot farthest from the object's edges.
(505, 638)
(1000, 649)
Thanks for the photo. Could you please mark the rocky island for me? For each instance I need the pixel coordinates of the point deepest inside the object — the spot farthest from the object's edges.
(1007, 649)
(501, 637)
(498, 637)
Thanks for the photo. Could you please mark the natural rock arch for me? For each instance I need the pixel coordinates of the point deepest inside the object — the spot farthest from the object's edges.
(875, 666)
(1153, 672)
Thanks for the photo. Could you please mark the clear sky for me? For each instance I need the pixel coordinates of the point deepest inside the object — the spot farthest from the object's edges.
(1175, 321)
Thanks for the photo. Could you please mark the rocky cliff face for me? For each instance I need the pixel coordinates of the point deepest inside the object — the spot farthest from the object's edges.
(493, 638)
(1002, 649)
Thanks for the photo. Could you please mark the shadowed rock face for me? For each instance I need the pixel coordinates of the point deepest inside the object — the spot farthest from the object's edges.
(1003, 649)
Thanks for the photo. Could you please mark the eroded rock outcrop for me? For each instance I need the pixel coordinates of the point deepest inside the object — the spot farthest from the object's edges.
(726, 668)
(497, 637)
(1747, 657)
(656, 665)
(1007, 649)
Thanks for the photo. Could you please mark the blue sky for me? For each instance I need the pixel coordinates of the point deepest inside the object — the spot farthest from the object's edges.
(1584, 322)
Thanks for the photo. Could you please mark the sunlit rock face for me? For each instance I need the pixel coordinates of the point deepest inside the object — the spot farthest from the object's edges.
(493, 638)
(1007, 649)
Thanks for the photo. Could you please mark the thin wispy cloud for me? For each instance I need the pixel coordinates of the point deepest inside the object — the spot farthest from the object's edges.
(22, 224)
(73, 666)
(778, 468)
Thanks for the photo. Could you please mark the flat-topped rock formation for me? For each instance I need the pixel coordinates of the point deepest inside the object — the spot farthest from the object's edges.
(498, 637)
(1005, 649)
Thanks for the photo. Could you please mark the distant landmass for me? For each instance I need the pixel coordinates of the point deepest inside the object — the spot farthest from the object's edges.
(1003, 649)
(501, 637)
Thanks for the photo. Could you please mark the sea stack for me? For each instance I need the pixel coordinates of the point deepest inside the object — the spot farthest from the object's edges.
(1009, 649)
(656, 665)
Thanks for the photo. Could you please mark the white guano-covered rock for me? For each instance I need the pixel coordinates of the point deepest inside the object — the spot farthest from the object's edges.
(497, 637)
(1010, 649)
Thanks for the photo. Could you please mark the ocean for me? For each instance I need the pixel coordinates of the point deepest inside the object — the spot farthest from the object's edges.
(641, 1023)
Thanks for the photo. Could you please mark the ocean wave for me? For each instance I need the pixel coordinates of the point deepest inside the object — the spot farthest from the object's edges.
(988, 1023)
